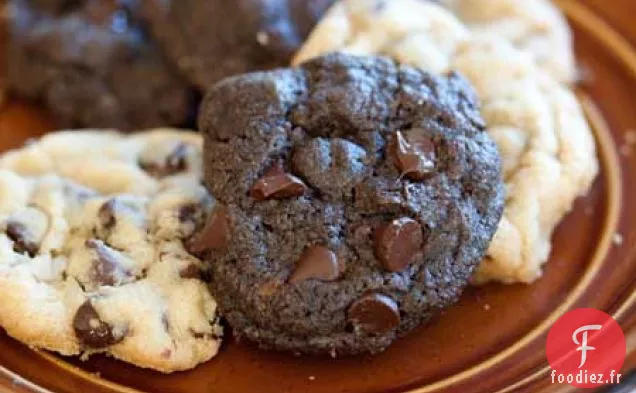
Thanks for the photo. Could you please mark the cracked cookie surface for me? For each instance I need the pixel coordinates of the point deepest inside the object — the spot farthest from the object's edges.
(547, 147)
(99, 262)
(356, 198)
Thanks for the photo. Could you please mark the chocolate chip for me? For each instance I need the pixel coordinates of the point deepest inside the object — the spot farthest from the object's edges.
(106, 214)
(27, 229)
(397, 243)
(107, 268)
(22, 241)
(165, 322)
(91, 331)
(204, 336)
(276, 184)
(215, 235)
(374, 313)
(175, 162)
(414, 154)
(316, 262)
(191, 271)
(188, 212)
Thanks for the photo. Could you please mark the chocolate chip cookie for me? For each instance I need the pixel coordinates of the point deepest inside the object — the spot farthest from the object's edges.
(537, 27)
(91, 65)
(356, 198)
(99, 262)
(212, 39)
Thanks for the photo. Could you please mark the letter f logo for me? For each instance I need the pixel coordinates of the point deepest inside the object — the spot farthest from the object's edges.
(583, 343)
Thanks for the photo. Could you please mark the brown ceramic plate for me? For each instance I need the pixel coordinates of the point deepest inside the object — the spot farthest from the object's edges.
(493, 341)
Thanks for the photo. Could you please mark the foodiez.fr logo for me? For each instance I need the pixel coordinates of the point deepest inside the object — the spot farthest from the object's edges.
(586, 349)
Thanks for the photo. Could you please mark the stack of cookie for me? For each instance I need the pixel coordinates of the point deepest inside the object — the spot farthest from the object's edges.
(325, 208)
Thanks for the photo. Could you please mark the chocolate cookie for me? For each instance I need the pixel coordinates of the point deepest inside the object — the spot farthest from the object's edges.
(357, 197)
(213, 39)
(54, 5)
(91, 65)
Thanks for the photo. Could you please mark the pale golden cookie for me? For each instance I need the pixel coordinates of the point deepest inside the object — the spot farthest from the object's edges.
(536, 27)
(94, 229)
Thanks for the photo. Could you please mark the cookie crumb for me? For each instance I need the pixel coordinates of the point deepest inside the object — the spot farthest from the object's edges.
(617, 239)
(262, 38)
(487, 307)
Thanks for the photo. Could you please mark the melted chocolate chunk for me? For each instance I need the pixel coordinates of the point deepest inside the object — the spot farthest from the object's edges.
(27, 229)
(276, 184)
(397, 243)
(414, 154)
(91, 331)
(316, 262)
(191, 271)
(22, 239)
(375, 313)
(215, 235)
(107, 268)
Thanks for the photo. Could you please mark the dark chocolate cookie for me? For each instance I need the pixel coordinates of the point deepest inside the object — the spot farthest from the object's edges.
(359, 196)
(213, 39)
(90, 64)
(55, 5)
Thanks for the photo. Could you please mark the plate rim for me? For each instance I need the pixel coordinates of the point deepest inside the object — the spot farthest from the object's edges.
(586, 19)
